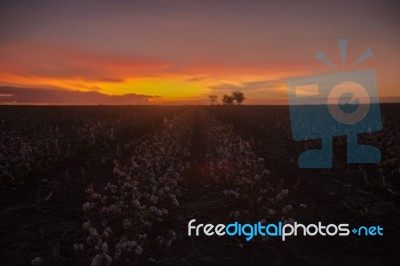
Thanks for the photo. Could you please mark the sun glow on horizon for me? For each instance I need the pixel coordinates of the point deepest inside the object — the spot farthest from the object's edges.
(164, 88)
(126, 52)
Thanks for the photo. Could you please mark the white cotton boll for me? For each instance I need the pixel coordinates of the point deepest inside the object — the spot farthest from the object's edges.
(164, 212)
(126, 224)
(133, 244)
(237, 214)
(116, 171)
(97, 261)
(160, 240)
(86, 225)
(37, 261)
(95, 196)
(172, 233)
(175, 202)
(125, 186)
(78, 247)
(123, 243)
(169, 243)
(108, 260)
(136, 203)
(104, 200)
(92, 231)
(289, 207)
(104, 248)
(266, 172)
(147, 224)
(113, 189)
(138, 250)
(290, 221)
(86, 206)
(173, 183)
(112, 208)
(104, 209)
(153, 199)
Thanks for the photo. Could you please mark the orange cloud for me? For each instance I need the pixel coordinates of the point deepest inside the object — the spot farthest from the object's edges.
(49, 62)
(11, 95)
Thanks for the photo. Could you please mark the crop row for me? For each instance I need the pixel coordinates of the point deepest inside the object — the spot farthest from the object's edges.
(134, 209)
(34, 140)
(242, 176)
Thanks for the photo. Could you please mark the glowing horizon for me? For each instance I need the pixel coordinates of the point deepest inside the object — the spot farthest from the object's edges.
(175, 52)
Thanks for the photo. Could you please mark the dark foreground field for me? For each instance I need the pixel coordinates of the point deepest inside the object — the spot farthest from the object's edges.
(118, 186)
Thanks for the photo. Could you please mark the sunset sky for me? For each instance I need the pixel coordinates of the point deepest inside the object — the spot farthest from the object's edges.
(179, 52)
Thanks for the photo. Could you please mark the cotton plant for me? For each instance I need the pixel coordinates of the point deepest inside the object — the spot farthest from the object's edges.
(144, 193)
(36, 142)
(242, 176)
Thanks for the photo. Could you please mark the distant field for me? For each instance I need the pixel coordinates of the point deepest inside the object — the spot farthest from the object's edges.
(75, 178)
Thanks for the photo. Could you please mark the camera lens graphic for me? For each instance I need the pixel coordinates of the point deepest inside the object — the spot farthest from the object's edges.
(360, 97)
